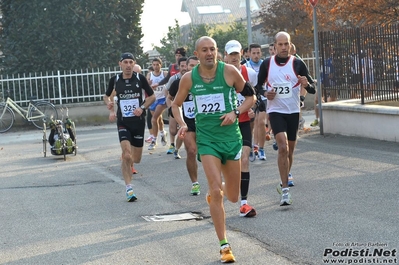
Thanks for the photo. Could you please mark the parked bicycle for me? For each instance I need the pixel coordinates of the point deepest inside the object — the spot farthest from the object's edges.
(38, 112)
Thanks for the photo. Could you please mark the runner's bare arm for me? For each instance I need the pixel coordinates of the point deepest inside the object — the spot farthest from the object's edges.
(184, 89)
(234, 78)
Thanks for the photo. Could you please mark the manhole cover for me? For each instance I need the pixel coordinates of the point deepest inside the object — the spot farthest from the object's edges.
(173, 217)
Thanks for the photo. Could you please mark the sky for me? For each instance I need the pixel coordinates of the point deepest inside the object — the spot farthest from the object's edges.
(157, 16)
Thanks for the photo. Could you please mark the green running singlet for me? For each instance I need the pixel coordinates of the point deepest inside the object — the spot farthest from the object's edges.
(213, 100)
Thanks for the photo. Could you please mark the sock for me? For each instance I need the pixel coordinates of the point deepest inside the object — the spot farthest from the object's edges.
(162, 133)
(223, 242)
(244, 185)
(285, 190)
(195, 183)
(128, 186)
(243, 202)
(172, 144)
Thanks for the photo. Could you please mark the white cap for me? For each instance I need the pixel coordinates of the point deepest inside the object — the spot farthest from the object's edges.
(233, 46)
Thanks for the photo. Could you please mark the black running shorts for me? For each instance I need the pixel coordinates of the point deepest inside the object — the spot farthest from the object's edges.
(287, 123)
(245, 128)
(132, 131)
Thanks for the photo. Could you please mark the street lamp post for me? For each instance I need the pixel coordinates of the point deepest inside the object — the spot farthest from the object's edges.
(316, 47)
(249, 25)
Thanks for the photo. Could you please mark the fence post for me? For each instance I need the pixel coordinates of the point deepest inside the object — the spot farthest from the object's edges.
(359, 61)
(59, 86)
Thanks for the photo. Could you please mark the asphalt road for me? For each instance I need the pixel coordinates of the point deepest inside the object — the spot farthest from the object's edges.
(74, 211)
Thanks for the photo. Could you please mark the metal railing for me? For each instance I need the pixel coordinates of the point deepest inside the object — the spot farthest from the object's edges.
(361, 63)
(74, 86)
(60, 87)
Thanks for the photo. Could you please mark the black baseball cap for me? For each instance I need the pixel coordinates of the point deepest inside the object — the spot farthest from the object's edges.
(127, 55)
(181, 51)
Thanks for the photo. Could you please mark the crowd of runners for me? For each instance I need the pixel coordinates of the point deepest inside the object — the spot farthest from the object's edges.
(222, 109)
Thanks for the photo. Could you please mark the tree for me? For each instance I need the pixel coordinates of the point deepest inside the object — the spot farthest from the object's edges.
(170, 43)
(296, 17)
(47, 35)
(222, 35)
(236, 31)
(364, 12)
(196, 32)
(290, 16)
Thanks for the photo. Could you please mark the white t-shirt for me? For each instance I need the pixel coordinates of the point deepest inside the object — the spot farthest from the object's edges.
(159, 90)
(252, 76)
(255, 67)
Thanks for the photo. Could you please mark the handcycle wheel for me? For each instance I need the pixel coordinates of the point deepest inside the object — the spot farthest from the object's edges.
(64, 150)
(44, 140)
(63, 143)
(75, 141)
(47, 108)
(7, 118)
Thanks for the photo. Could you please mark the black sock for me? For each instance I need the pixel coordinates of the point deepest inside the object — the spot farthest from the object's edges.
(244, 185)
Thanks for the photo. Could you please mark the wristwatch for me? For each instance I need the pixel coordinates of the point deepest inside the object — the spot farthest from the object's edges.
(237, 112)
(142, 107)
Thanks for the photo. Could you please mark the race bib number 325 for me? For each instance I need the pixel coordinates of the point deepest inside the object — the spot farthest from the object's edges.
(128, 106)
(210, 103)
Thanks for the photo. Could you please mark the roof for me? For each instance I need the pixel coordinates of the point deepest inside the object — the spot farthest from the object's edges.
(218, 11)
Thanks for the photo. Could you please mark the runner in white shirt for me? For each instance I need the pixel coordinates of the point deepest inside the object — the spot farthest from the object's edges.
(284, 76)
(159, 105)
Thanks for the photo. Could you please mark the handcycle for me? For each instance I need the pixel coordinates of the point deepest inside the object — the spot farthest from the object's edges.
(62, 139)
(38, 112)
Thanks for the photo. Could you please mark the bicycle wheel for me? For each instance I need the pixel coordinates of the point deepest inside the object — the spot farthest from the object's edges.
(7, 118)
(48, 109)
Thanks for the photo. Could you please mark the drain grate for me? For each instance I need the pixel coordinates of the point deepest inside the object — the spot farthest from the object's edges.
(168, 217)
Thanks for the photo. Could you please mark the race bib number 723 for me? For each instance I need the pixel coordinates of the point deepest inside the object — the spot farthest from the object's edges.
(283, 90)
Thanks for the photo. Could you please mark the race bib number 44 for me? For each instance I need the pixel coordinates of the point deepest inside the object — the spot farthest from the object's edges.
(128, 106)
(283, 90)
(189, 109)
(210, 103)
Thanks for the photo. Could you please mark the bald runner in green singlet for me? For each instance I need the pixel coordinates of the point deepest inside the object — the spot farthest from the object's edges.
(213, 85)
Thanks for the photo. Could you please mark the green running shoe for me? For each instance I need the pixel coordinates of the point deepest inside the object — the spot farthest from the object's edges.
(195, 189)
(315, 123)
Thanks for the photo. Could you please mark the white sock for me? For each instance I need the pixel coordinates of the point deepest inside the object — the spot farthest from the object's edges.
(243, 202)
